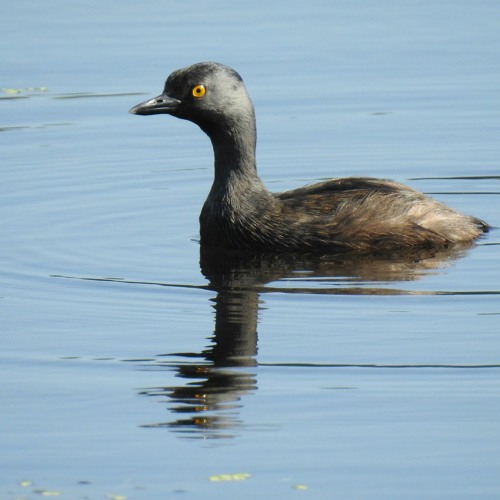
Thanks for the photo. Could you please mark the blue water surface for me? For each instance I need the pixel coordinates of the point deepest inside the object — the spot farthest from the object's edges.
(133, 365)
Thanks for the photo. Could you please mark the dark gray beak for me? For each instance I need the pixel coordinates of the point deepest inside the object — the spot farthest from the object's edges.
(161, 104)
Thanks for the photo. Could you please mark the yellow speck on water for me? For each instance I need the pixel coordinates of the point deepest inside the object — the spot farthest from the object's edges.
(25, 484)
(28, 89)
(301, 487)
(48, 493)
(116, 497)
(240, 476)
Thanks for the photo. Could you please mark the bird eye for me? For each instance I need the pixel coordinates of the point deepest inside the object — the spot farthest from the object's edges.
(198, 91)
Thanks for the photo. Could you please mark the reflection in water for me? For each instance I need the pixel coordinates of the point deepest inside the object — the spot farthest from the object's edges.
(216, 379)
(207, 406)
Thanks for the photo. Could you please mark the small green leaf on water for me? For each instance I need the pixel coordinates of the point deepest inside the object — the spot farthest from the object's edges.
(240, 476)
(25, 484)
(48, 493)
(28, 89)
(116, 497)
(301, 487)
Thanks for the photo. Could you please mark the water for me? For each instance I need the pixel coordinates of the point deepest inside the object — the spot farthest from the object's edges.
(132, 365)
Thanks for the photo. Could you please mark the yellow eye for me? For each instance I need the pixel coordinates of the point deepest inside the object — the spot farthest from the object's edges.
(198, 91)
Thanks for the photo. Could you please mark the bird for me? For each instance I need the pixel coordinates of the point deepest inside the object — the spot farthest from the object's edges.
(360, 214)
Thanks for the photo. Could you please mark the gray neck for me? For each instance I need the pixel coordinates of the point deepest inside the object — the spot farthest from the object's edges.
(234, 153)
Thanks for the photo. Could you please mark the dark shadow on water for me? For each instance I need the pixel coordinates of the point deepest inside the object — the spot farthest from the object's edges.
(207, 401)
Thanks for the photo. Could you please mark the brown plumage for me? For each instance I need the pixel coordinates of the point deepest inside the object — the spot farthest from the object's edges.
(355, 213)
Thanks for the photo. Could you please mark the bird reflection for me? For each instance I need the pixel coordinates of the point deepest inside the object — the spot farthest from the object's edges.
(207, 404)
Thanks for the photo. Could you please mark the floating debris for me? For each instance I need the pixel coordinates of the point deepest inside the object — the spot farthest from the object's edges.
(27, 89)
(301, 487)
(47, 493)
(240, 476)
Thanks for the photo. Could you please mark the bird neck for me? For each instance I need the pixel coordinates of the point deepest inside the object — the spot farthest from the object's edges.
(234, 152)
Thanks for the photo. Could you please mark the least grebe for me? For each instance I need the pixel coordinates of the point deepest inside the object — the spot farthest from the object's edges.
(354, 213)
